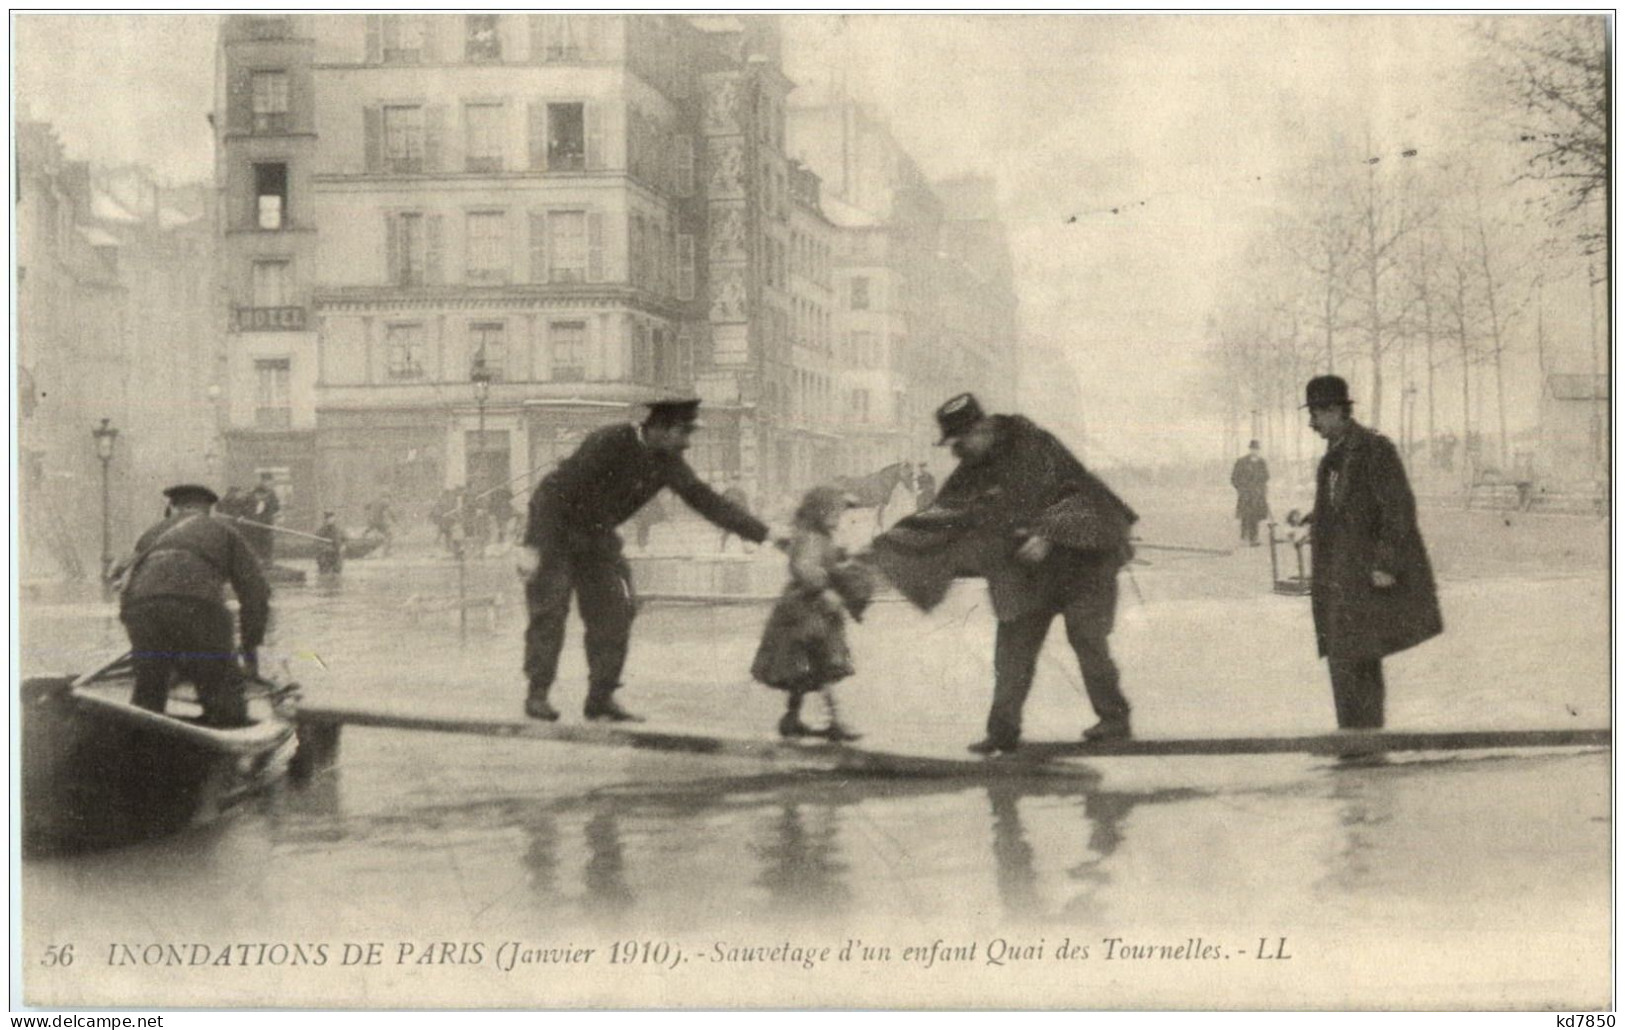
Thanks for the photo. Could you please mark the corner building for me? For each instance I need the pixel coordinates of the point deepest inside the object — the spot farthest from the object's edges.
(586, 208)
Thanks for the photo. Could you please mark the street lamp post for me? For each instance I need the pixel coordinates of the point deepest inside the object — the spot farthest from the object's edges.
(480, 376)
(106, 436)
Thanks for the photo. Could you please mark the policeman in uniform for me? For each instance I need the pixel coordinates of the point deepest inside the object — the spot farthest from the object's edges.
(571, 547)
(173, 607)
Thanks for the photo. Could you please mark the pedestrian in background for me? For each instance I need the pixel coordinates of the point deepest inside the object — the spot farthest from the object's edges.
(1250, 476)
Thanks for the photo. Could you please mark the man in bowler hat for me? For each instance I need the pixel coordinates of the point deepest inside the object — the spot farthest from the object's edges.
(1372, 590)
(1047, 535)
(571, 547)
(174, 611)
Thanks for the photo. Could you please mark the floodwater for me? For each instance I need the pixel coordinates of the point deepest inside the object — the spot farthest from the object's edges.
(480, 872)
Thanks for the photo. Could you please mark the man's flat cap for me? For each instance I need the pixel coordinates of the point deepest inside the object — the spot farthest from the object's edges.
(191, 493)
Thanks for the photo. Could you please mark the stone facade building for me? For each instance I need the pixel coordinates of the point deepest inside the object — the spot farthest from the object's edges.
(588, 209)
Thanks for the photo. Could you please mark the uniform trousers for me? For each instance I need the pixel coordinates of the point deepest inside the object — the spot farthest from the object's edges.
(1357, 692)
(601, 582)
(172, 637)
(1088, 617)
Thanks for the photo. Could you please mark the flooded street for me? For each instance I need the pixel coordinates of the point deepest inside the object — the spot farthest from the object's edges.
(485, 872)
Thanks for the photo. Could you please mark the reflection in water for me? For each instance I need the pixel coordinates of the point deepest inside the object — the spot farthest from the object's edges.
(801, 867)
(605, 874)
(1363, 793)
(1013, 855)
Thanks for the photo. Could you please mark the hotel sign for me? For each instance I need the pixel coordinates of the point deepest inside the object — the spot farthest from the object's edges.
(270, 320)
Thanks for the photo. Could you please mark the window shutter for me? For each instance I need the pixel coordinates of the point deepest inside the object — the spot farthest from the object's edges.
(431, 39)
(372, 126)
(375, 39)
(594, 116)
(392, 248)
(595, 246)
(685, 166)
(434, 138)
(685, 266)
(538, 38)
(538, 132)
(433, 265)
(538, 245)
(240, 102)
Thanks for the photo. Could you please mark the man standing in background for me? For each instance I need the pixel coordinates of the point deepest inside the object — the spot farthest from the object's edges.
(1250, 477)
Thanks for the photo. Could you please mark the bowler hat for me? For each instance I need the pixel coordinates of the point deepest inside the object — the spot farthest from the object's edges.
(957, 415)
(1324, 391)
(191, 493)
(684, 411)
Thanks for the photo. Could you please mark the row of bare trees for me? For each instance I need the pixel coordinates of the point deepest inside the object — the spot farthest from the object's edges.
(1425, 262)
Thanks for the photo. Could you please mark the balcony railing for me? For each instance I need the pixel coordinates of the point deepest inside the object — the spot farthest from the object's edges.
(270, 320)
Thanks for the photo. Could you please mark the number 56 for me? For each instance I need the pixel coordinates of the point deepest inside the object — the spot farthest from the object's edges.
(58, 955)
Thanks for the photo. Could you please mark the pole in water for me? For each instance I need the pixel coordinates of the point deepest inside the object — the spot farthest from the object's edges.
(462, 597)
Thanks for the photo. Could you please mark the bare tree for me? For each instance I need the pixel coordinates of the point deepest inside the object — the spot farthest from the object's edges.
(1556, 69)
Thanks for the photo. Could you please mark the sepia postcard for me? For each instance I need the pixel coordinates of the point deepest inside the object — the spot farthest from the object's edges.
(529, 510)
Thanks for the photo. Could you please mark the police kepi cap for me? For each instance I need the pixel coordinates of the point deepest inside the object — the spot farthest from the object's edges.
(957, 415)
(683, 411)
(1324, 391)
(191, 493)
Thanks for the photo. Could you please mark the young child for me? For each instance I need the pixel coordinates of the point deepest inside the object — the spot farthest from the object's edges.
(803, 649)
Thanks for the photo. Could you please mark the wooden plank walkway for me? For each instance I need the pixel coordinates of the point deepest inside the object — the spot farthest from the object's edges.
(320, 725)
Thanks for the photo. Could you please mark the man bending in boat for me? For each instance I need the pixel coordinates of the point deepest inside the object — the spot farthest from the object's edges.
(571, 547)
(173, 607)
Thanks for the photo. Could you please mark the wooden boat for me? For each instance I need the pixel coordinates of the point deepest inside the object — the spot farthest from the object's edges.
(99, 772)
(303, 548)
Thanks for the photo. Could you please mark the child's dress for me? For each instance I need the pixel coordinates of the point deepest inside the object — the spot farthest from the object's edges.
(804, 643)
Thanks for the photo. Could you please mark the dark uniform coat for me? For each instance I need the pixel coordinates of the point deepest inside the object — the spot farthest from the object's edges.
(1030, 484)
(1250, 477)
(173, 608)
(573, 515)
(1365, 519)
(609, 477)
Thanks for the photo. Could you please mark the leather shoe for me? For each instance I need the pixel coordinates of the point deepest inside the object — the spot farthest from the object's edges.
(607, 710)
(990, 747)
(1108, 729)
(839, 734)
(539, 708)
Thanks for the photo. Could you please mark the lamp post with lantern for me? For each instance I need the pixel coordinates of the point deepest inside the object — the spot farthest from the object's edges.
(480, 376)
(106, 437)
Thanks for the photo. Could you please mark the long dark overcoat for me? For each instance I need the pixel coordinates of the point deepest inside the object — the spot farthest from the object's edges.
(1367, 523)
(1251, 477)
(1029, 484)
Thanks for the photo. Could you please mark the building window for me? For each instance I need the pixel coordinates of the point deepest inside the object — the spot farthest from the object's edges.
(270, 196)
(403, 350)
(270, 27)
(403, 139)
(488, 348)
(484, 41)
(860, 293)
(403, 38)
(569, 340)
(273, 404)
(567, 250)
(564, 37)
(566, 138)
(271, 101)
(487, 245)
(685, 266)
(483, 152)
(685, 166)
(271, 283)
(860, 405)
(408, 248)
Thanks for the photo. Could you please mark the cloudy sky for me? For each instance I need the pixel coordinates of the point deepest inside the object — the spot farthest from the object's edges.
(1188, 126)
